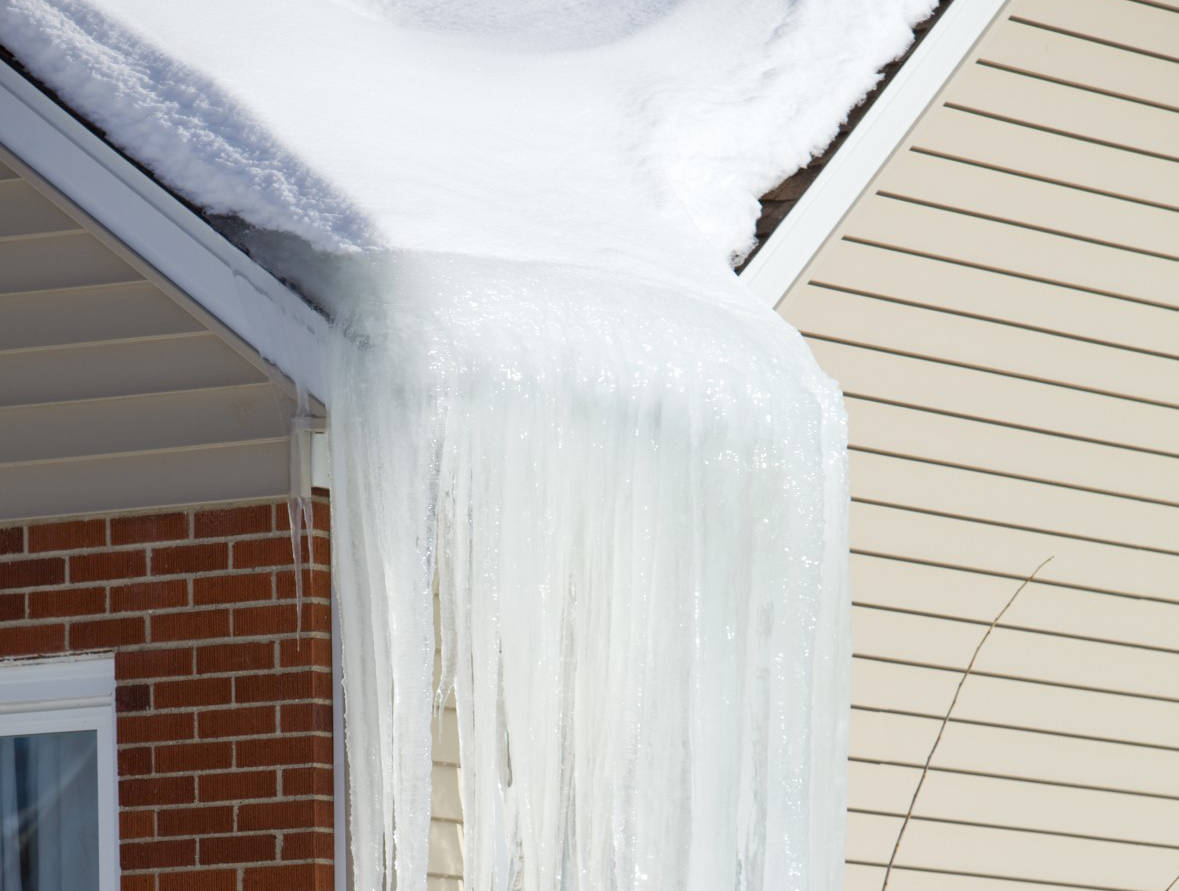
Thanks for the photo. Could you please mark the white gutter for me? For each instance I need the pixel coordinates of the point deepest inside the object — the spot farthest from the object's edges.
(822, 207)
(176, 242)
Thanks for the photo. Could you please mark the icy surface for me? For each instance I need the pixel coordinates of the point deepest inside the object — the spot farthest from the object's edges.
(552, 402)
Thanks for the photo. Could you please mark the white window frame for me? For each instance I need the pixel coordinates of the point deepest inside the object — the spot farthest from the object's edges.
(60, 696)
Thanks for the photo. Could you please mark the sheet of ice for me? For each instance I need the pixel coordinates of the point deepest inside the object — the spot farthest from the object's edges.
(551, 400)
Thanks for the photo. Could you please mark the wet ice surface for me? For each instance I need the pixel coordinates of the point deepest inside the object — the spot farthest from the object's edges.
(550, 398)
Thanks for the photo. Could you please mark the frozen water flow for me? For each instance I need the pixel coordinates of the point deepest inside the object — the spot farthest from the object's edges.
(552, 402)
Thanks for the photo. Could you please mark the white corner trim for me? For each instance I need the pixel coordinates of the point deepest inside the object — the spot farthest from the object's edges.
(166, 234)
(321, 460)
(774, 268)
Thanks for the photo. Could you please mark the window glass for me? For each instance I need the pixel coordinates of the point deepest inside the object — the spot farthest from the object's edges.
(49, 812)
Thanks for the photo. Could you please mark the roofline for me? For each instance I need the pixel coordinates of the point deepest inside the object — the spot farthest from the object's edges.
(153, 223)
(773, 270)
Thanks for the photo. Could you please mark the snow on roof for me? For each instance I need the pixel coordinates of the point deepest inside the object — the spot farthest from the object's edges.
(586, 128)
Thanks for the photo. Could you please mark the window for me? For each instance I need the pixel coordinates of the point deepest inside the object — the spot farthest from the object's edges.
(58, 829)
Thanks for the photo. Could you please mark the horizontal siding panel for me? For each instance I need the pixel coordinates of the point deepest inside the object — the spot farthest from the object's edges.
(1065, 109)
(231, 472)
(955, 593)
(945, 643)
(25, 211)
(122, 369)
(923, 537)
(64, 261)
(1084, 62)
(446, 848)
(958, 797)
(50, 318)
(437, 883)
(1011, 854)
(1021, 704)
(1139, 25)
(872, 373)
(445, 800)
(445, 738)
(1031, 202)
(992, 295)
(1000, 751)
(962, 134)
(165, 420)
(871, 878)
(937, 437)
(989, 345)
(994, 245)
(7, 172)
(998, 499)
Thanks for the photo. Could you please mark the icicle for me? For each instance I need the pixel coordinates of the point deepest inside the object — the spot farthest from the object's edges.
(299, 505)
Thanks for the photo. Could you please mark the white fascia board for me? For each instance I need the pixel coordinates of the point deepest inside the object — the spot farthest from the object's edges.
(176, 242)
(774, 268)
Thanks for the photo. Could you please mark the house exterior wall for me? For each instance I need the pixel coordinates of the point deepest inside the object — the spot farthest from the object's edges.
(224, 705)
(1001, 308)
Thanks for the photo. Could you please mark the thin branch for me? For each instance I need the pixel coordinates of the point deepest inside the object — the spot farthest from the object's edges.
(946, 720)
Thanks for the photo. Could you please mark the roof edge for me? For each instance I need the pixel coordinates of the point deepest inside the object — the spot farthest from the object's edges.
(182, 247)
(773, 270)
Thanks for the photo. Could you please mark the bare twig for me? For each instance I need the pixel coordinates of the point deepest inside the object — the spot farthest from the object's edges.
(946, 720)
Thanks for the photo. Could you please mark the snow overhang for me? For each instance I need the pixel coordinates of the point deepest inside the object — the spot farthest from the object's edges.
(819, 211)
(183, 248)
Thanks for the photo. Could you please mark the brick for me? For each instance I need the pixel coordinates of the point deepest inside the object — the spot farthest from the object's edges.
(135, 761)
(69, 536)
(190, 625)
(137, 824)
(195, 692)
(320, 517)
(301, 876)
(32, 640)
(155, 727)
(238, 849)
(107, 565)
(306, 717)
(317, 584)
(307, 846)
(305, 651)
(283, 687)
(233, 521)
(282, 751)
(189, 558)
(101, 633)
(194, 756)
(234, 657)
(142, 596)
(66, 602)
(232, 588)
(156, 854)
(238, 786)
(12, 540)
(12, 607)
(203, 880)
(236, 722)
(32, 573)
(297, 781)
(138, 882)
(156, 791)
(265, 552)
(261, 620)
(132, 697)
(309, 813)
(155, 527)
(153, 663)
(195, 821)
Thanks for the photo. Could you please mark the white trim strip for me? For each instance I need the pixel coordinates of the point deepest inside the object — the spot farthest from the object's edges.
(152, 223)
(774, 268)
(60, 682)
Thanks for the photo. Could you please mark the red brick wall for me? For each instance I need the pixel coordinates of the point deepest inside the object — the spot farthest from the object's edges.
(224, 712)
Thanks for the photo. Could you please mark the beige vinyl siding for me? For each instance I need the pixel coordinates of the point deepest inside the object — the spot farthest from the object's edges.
(1001, 308)
(445, 866)
(116, 390)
